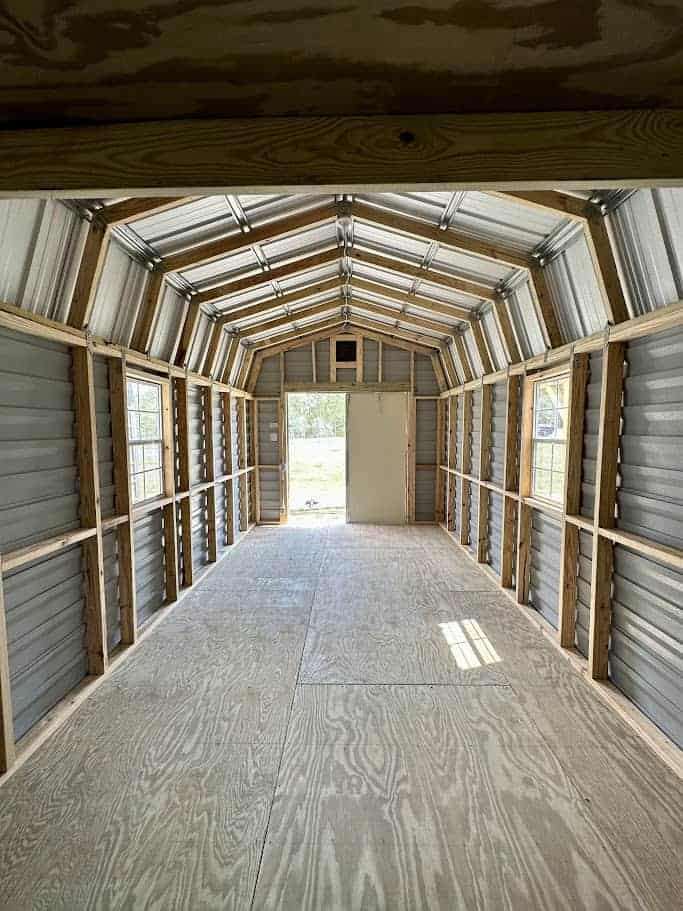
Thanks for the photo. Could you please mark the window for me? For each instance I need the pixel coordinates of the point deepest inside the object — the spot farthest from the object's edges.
(346, 351)
(549, 437)
(145, 439)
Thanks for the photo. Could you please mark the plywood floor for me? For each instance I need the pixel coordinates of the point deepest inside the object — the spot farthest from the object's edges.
(300, 734)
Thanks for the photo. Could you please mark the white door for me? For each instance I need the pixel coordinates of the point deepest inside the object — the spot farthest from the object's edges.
(377, 457)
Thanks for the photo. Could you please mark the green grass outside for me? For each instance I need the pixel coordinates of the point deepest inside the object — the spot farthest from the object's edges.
(317, 470)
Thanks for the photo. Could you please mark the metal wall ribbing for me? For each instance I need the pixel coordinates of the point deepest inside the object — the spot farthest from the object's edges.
(299, 365)
(497, 433)
(425, 379)
(150, 579)
(370, 361)
(495, 530)
(322, 361)
(395, 364)
(544, 585)
(268, 380)
(590, 434)
(583, 591)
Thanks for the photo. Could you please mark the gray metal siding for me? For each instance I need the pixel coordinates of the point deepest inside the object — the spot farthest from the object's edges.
(395, 364)
(473, 542)
(476, 431)
(269, 480)
(119, 295)
(150, 579)
(458, 501)
(322, 361)
(544, 587)
(459, 434)
(495, 535)
(110, 552)
(645, 658)
(219, 462)
(575, 291)
(268, 433)
(583, 592)
(200, 535)
(425, 495)
(45, 608)
(268, 382)
(195, 421)
(346, 374)
(425, 431)
(370, 361)
(38, 471)
(591, 426)
(235, 462)
(425, 378)
(650, 498)
(497, 433)
(105, 450)
(221, 507)
(299, 365)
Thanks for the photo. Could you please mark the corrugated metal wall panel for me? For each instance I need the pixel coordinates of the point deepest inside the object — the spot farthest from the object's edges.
(111, 588)
(497, 433)
(45, 608)
(645, 658)
(425, 431)
(544, 586)
(473, 353)
(647, 229)
(219, 464)
(235, 462)
(583, 592)
(591, 426)
(425, 495)
(268, 433)
(495, 535)
(221, 507)
(425, 378)
(395, 364)
(200, 535)
(525, 321)
(221, 356)
(119, 295)
(346, 374)
(41, 241)
(458, 501)
(150, 579)
(38, 472)
(459, 433)
(370, 361)
(195, 420)
(494, 340)
(650, 498)
(200, 343)
(299, 365)
(269, 490)
(322, 361)
(575, 291)
(474, 519)
(268, 382)
(476, 431)
(105, 450)
(168, 324)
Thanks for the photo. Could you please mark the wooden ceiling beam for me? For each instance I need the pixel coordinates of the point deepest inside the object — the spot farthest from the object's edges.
(515, 150)
(390, 335)
(129, 210)
(294, 337)
(236, 243)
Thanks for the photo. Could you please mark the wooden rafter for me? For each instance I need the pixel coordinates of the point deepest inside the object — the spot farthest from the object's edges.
(277, 273)
(375, 286)
(287, 318)
(136, 207)
(597, 239)
(276, 303)
(431, 275)
(401, 316)
(236, 243)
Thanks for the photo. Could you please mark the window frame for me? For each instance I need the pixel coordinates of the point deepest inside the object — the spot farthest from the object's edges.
(528, 438)
(165, 440)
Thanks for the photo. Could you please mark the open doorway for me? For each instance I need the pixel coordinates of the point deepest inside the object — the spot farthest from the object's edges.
(316, 423)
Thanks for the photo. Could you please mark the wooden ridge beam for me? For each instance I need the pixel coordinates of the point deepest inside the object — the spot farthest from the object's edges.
(236, 243)
(347, 154)
(276, 273)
